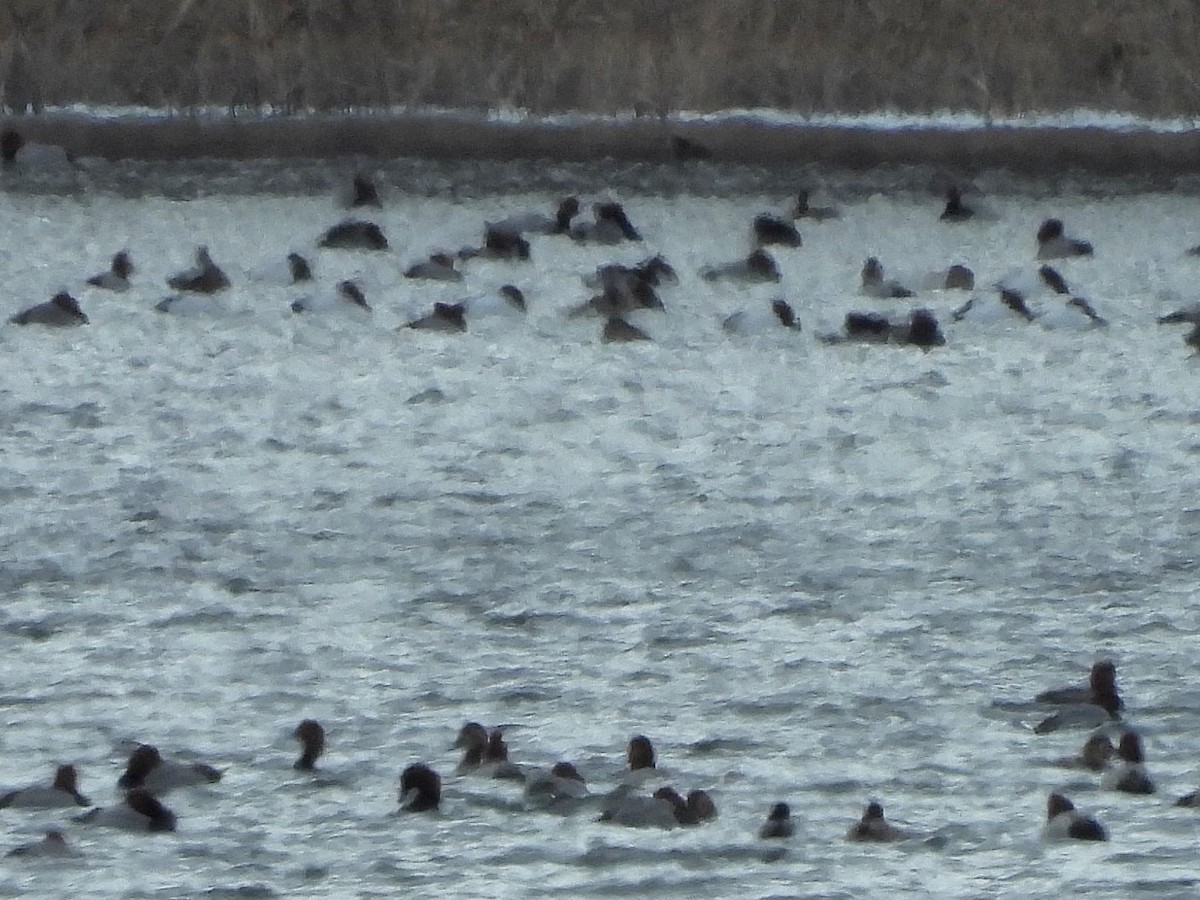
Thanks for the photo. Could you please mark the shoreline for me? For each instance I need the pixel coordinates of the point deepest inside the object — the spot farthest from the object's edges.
(1025, 150)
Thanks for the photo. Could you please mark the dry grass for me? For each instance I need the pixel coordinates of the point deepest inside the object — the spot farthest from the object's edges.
(606, 56)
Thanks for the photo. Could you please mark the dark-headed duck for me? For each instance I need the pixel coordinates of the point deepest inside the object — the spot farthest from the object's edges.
(758, 266)
(420, 789)
(1095, 755)
(446, 317)
(875, 285)
(769, 230)
(206, 277)
(1054, 244)
(348, 297)
(363, 192)
(499, 244)
(354, 234)
(617, 331)
(62, 792)
(955, 210)
(540, 223)
(1129, 775)
(1064, 822)
(147, 770)
(1101, 690)
(311, 736)
(141, 811)
(439, 267)
(507, 300)
(696, 808)
(804, 210)
(779, 823)
(778, 314)
(611, 226)
(874, 828)
(117, 276)
(60, 310)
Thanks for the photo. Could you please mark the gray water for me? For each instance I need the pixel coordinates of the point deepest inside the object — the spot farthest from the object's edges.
(807, 572)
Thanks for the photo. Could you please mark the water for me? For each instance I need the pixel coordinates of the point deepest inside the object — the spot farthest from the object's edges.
(806, 572)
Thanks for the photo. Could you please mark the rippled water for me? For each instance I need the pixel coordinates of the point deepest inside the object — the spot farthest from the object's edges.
(805, 571)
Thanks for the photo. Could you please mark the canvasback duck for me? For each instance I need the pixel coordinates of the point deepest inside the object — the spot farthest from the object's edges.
(60, 310)
(147, 770)
(1095, 755)
(141, 811)
(206, 277)
(311, 736)
(804, 210)
(639, 753)
(611, 226)
(778, 314)
(54, 844)
(439, 267)
(874, 828)
(955, 210)
(16, 152)
(446, 317)
(779, 823)
(758, 266)
(618, 331)
(347, 297)
(1129, 775)
(1054, 244)
(540, 223)
(1101, 690)
(117, 276)
(299, 268)
(562, 783)
(500, 245)
(769, 230)
(875, 285)
(623, 807)
(363, 192)
(420, 789)
(354, 234)
(958, 278)
(508, 300)
(1064, 822)
(62, 792)
(696, 808)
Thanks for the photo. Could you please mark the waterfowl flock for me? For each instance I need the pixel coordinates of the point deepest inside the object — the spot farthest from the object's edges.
(645, 302)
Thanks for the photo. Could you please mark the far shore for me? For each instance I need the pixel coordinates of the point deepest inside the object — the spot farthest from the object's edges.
(1030, 151)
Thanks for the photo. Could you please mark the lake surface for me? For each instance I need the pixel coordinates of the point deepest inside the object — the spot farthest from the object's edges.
(806, 572)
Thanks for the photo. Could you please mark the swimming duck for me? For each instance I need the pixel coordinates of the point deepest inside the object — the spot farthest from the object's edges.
(348, 298)
(758, 266)
(623, 807)
(1063, 821)
(507, 300)
(1054, 244)
(205, 277)
(446, 317)
(140, 811)
(611, 226)
(540, 223)
(769, 230)
(311, 736)
(60, 310)
(1101, 690)
(873, 828)
(874, 284)
(803, 210)
(955, 210)
(920, 329)
(62, 792)
(354, 234)
(363, 192)
(562, 783)
(618, 330)
(117, 276)
(498, 244)
(420, 789)
(696, 808)
(778, 314)
(148, 771)
(439, 267)
(779, 823)
(1129, 776)
(1095, 755)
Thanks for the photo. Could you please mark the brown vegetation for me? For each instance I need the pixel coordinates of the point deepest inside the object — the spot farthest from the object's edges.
(605, 56)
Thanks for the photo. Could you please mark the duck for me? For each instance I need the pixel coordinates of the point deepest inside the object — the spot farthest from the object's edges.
(639, 754)
(363, 192)
(1189, 800)
(420, 789)
(804, 210)
(18, 153)
(354, 234)
(624, 807)
(1129, 775)
(485, 753)
(696, 808)
(771, 230)
(1064, 822)
(59, 311)
(499, 244)
(618, 330)
(540, 223)
(506, 301)
(62, 792)
(919, 329)
(1095, 755)
(140, 811)
(562, 783)
(439, 267)
(611, 226)
(758, 266)
(347, 298)
(446, 317)
(311, 736)
(760, 319)
(874, 284)
(53, 844)
(1054, 244)
(299, 268)
(1190, 315)
(1007, 306)
(779, 823)
(1101, 690)
(1073, 314)
(117, 276)
(189, 306)
(874, 828)
(206, 277)
(955, 210)
(147, 770)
